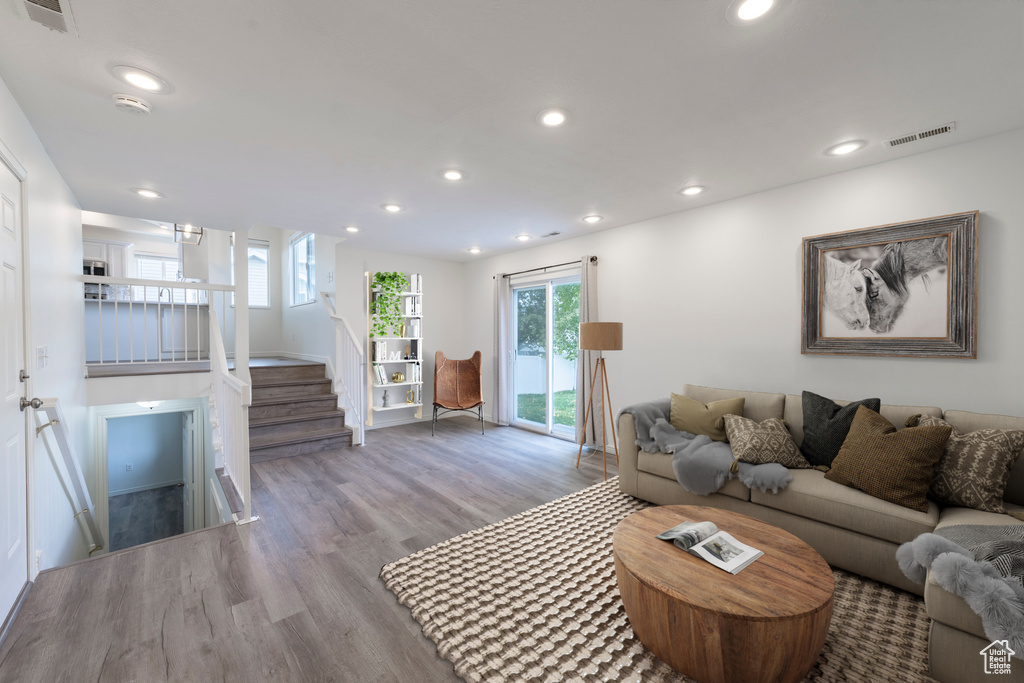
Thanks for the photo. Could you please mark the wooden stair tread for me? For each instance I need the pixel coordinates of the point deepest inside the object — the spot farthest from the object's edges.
(292, 382)
(292, 399)
(305, 417)
(298, 437)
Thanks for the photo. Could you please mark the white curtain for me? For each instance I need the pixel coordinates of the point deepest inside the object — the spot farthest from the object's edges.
(502, 413)
(588, 359)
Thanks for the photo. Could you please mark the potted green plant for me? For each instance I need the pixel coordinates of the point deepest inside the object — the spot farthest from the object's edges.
(387, 303)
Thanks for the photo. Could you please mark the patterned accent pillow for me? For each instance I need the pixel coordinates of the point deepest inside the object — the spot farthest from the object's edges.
(975, 467)
(826, 424)
(894, 466)
(763, 442)
(690, 415)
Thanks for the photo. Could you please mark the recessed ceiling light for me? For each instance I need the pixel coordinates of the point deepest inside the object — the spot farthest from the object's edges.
(592, 218)
(352, 228)
(553, 117)
(522, 238)
(144, 80)
(742, 12)
(847, 147)
(147, 193)
(692, 190)
(474, 250)
(392, 208)
(452, 174)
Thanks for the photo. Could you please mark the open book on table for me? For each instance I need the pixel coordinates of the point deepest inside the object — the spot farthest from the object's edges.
(704, 540)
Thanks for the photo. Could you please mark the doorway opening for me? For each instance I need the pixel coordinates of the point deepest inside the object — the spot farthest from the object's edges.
(152, 473)
(545, 342)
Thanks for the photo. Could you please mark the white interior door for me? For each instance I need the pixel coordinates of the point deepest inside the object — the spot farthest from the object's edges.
(13, 491)
(188, 470)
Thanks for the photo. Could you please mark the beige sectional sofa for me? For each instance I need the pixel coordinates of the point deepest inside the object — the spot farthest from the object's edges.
(849, 528)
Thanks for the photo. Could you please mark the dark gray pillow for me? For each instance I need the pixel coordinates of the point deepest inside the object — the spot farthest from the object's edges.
(826, 425)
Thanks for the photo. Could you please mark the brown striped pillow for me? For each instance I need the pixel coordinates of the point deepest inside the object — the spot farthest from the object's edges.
(894, 466)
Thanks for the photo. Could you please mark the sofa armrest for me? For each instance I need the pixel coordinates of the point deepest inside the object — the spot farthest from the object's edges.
(628, 455)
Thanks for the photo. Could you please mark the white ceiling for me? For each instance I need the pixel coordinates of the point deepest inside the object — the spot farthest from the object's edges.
(310, 116)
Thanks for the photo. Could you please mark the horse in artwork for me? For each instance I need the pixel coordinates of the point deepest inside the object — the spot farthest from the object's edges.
(845, 294)
(890, 275)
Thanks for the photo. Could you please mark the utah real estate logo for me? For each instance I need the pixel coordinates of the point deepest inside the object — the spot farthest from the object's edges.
(997, 657)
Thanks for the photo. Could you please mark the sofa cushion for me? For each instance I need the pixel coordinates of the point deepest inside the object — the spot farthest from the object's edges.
(812, 496)
(942, 605)
(690, 415)
(826, 424)
(969, 422)
(794, 414)
(894, 466)
(757, 405)
(763, 442)
(660, 464)
(975, 466)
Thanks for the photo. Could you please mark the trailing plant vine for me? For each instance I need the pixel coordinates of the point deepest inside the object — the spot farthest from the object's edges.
(387, 304)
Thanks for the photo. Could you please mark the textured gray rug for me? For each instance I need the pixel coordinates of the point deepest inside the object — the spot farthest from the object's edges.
(534, 598)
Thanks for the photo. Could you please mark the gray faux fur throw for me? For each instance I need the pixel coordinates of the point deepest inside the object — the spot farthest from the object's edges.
(701, 465)
(985, 566)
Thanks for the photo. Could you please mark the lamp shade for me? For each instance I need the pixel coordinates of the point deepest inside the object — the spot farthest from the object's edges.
(601, 336)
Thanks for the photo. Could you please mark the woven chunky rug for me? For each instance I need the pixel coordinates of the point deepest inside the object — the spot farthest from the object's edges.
(534, 598)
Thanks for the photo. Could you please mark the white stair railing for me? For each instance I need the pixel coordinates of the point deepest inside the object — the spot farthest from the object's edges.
(349, 371)
(76, 488)
(230, 421)
(130, 320)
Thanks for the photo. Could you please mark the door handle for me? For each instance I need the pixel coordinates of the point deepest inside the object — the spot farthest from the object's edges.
(25, 403)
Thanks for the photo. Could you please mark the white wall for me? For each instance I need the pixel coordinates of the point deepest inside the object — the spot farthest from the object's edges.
(152, 445)
(54, 234)
(712, 295)
(444, 317)
(306, 331)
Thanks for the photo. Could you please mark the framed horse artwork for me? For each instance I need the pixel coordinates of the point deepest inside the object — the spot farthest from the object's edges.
(905, 289)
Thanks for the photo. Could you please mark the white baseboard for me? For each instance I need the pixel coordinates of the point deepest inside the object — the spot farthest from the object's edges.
(147, 487)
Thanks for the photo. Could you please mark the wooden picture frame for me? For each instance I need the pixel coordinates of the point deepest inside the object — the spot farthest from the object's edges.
(904, 289)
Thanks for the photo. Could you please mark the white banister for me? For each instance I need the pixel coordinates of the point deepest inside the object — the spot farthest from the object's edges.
(349, 371)
(76, 488)
(231, 400)
(134, 320)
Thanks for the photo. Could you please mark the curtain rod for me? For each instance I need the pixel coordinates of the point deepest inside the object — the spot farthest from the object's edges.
(593, 259)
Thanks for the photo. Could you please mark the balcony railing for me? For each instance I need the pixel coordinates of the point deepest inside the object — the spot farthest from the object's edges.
(132, 322)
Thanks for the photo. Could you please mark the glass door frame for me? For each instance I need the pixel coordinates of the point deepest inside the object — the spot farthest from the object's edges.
(549, 282)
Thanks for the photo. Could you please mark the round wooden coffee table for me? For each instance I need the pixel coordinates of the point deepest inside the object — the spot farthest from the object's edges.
(767, 623)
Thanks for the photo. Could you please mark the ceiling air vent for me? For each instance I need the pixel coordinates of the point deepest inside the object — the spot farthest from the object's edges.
(550, 234)
(913, 137)
(48, 13)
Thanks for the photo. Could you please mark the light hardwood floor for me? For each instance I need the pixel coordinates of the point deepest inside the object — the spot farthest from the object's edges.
(295, 596)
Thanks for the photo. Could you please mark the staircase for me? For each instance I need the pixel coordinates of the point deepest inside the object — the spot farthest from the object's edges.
(294, 412)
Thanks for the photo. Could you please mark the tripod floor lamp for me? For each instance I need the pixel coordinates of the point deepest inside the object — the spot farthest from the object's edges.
(600, 337)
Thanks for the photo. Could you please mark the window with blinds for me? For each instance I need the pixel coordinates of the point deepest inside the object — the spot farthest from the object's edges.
(160, 268)
(303, 265)
(259, 274)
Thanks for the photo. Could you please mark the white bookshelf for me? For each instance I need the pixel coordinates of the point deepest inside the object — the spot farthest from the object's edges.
(388, 355)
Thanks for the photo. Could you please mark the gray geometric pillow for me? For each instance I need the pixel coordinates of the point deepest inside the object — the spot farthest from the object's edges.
(975, 467)
(762, 443)
(826, 425)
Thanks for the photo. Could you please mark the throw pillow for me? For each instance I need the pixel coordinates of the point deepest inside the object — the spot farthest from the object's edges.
(763, 442)
(689, 415)
(975, 466)
(826, 424)
(894, 466)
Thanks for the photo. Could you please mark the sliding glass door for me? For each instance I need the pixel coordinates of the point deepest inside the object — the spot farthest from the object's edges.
(545, 328)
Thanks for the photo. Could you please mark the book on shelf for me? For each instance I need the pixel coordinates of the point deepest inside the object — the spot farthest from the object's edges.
(704, 540)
